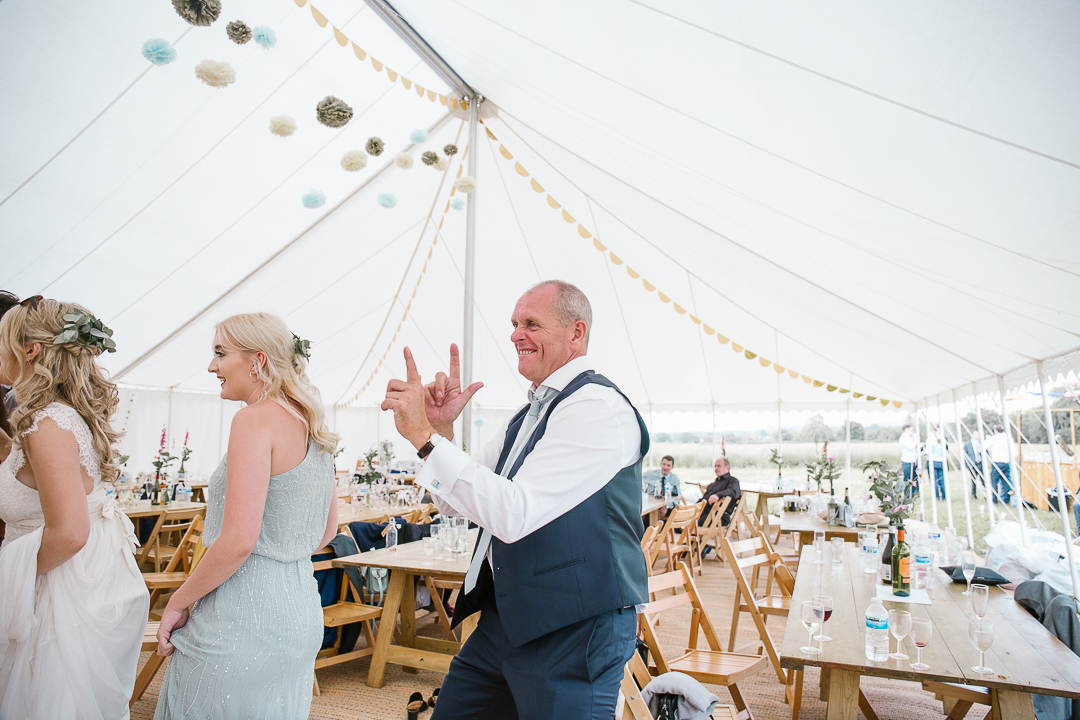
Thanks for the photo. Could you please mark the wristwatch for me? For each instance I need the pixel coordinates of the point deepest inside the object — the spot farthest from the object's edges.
(426, 449)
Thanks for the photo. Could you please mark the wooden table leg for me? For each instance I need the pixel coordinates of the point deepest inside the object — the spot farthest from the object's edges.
(843, 695)
(1011, 705)
(408, 616)
(795, 678)
(763, 512)
(391, 605)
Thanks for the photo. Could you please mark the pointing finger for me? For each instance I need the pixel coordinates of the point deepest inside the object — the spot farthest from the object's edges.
(411, 373)
(455, 362)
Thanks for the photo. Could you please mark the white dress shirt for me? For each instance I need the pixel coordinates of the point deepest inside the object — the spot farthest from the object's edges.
(909, 448)
(590, 436)
(997, 447)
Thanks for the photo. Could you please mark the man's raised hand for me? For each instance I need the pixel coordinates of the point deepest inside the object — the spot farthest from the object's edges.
(407, 399)
(445, 399)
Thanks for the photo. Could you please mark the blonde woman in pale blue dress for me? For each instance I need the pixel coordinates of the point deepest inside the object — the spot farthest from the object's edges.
(248, 648)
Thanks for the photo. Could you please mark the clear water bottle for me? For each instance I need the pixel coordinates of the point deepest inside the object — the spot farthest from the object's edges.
(938, 550)
(877, 631)
(391, 535)
(922, 565)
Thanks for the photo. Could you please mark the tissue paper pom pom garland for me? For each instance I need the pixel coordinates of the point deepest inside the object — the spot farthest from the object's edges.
(313, 199)
(198, 12)
(215, 73)
(374, 146)
(457, 203)
(418, 136)
(282, 125)
(429, 158)
(450, 149)
(264, 36)
(238, 32)
(387, 200)
(158, 51)
(333, 112)
(465, 184)
(354, 160)
(441, 164)
(403, 160)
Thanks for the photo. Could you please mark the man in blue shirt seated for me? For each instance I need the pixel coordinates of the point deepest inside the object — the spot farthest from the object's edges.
(654, 481)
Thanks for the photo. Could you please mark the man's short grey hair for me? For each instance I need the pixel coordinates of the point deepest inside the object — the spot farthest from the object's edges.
(569, 304)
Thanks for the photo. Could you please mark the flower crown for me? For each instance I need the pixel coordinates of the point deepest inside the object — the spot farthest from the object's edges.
(301, 347)
(82, 328)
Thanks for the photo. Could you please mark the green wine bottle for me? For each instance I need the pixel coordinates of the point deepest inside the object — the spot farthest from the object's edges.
(901, 566)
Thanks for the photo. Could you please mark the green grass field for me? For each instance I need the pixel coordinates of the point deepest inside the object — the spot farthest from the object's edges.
(750, 463)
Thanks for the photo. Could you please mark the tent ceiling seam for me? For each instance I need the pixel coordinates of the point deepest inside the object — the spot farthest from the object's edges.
(510, 201)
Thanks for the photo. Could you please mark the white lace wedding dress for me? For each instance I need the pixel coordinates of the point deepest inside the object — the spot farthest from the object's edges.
(70, 639)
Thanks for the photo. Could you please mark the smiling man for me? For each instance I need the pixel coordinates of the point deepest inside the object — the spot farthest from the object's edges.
(558, 568)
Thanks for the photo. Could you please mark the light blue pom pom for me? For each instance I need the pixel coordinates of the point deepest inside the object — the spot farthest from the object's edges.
(158, 51)
(266, 37)
(418, 136)
(313, 199)
(387, 200)
(457, 203)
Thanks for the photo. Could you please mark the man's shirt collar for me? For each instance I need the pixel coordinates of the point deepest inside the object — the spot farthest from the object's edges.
(560, 378)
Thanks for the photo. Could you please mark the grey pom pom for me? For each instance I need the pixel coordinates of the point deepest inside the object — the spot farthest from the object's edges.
(450, 149)
(238, 32)
(333, 112)
(198, 12)
(429, 158)
(374, 146)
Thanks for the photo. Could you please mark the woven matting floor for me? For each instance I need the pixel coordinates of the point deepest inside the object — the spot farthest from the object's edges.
(346, 696)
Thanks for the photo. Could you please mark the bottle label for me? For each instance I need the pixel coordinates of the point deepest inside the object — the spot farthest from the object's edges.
(905, 568)
(872, 624)
(922, 559)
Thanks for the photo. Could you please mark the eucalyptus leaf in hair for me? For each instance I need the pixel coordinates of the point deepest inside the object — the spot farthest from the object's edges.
(301, 347)
(82, 328)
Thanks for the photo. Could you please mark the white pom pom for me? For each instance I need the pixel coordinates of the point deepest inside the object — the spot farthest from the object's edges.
(215, 73)
(441, 164)
(403, 160)
(282, 125)
(465, 184)
(354, 160)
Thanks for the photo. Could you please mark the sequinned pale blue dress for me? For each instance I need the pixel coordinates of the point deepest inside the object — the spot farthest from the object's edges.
(248, 650)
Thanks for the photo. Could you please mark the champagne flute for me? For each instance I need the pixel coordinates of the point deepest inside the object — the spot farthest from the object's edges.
(899, 626)
(428, 544)
(981, 633)
(968, 567)
(826, 603)
(819, 545)
(921, 630)
(811, 614)
(980, 598)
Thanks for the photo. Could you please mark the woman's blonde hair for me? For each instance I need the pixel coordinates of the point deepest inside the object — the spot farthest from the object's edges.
(284, 371)
(60, 373)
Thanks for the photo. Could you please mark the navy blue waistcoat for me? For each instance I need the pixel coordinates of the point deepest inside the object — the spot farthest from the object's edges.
(583, 563)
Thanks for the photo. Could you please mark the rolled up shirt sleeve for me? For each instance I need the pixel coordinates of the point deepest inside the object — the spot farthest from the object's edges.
(590, 436)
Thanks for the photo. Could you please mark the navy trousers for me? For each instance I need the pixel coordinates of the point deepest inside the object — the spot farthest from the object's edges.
(570, 674)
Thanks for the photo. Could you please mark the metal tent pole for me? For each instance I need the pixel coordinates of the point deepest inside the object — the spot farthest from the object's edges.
(1062, 505)
(988, 491)
(918, 461)
(712, 408)
(470, 273)
(847, 443)
(963, 472)
(945, 464)
(1013, 471)
(931, 475)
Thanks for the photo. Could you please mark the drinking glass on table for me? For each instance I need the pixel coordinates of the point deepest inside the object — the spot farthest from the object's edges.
(967, 564)
(837, 549)
(811, 614)
(868, 541)
(981, 633)
(826, 604)
(428, 545)
(819, 545)
(899, 627)
(437, 540)
(921, 630)
(980, 599)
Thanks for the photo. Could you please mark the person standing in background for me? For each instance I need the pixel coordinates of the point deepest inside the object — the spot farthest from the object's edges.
(973, 457)
(909, 457)
(935, 456)
(997, 447)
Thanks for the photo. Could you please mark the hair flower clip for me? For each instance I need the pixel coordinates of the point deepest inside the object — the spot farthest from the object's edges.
(83, 328)
(301, 347)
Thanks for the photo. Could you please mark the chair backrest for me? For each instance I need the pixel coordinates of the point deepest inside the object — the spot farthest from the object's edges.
(736, 518)
(751, 554)
(635, 677)
(714, 522)
(651, 548)
(190, 550)
(169, 521)
(699, 619)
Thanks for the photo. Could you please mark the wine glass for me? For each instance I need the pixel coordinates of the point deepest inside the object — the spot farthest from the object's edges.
(811, 614)
(980, 598)
(921, 630)
(981, 633)
(826, 603)
(819, 545)
(968, 566)
(899, 626)
(428, 545)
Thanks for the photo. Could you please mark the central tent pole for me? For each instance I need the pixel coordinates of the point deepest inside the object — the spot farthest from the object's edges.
(1062, 505)
(963, 471)
(470, 274)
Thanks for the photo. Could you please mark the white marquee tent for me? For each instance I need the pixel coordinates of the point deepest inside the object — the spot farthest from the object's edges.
(820, 205)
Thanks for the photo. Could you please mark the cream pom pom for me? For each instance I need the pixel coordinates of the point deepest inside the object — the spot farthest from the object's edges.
(403, 160)
(465, 184)
(354, 160)
(441, 164)
(215, 73)
(282, 125)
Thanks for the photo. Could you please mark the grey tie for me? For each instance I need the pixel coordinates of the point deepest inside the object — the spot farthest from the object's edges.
(536, 402)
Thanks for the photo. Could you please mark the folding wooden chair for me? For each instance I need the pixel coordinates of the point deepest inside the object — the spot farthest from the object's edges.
(188, 554)
(635, 677)
(679, 537)
(735, 526)
(713, 527)
(344, 612)
(157, 549)
(153, 663)
(957, 699)
(789, 560)
(713, 666)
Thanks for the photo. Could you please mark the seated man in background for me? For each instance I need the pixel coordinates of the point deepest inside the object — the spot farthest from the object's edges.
(725, 485)
(655, 481)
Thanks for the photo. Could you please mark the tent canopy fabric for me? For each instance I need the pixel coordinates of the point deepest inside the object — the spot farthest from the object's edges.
(800, 204)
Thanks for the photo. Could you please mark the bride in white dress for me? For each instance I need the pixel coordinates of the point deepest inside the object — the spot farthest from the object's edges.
(73, 606)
